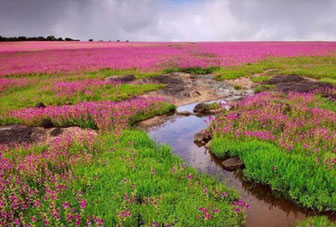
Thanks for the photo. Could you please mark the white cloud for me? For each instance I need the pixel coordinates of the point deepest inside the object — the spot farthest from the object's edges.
(160, 20)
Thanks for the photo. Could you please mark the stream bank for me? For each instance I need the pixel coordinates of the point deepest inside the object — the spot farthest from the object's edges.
(267, 209)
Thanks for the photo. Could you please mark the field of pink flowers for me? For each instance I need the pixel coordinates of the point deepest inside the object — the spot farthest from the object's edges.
(97, 115)
(118, 176)
(53, 57)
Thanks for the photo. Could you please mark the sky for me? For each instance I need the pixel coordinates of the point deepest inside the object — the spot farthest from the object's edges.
(171, 20)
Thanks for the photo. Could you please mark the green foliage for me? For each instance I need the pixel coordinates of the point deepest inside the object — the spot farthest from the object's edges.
(238, 87)
(314, 66)
(317, 221)
(287, 172)
(193, 70)
(264, 87)
(328, 80)
(212, 106)
(41, 91)
(133, 173)
(260, 79)
(326, 103)
(103, 73)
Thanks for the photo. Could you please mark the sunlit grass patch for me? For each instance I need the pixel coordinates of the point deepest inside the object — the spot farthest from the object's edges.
(329, 80)
(260, 79)
(314, 67)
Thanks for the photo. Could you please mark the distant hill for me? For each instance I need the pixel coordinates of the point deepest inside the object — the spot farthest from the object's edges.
(39, 38)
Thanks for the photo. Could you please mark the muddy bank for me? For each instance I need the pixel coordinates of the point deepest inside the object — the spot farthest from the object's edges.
(20, 134)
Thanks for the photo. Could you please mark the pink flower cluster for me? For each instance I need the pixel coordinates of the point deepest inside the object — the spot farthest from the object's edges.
(103, 115)
(291, 121)
(68, 89)
(6, 83)
(32, 186)
(25, 57)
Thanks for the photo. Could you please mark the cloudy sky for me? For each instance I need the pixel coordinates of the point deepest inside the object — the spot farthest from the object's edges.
(171, 20)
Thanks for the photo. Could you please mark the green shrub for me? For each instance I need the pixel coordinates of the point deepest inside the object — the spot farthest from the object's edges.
(317, 221)
(294, 174)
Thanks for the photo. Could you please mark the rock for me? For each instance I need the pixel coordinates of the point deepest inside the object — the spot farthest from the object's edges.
(47, 123)
(124, 79)
(232, 164)
(201, 108)
(207, 146)
(184, 113)
(40, 105)
(203, 137)
(56, 132)
(216, 111)
(194, 94)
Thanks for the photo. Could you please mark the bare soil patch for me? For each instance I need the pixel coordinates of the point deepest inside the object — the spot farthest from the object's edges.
(184, 88)
(21, 134)
(287, 83)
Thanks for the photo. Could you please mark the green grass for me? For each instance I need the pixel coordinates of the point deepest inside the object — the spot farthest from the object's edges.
(263, 87)
(293, 174)
(103, 73)
(260, 79)
(237, 87)
(137, 161)
(97, 74)
(40, 90)
(314, 67)
(192, 70)
(328, 80)
(131, 172)
(318, 221)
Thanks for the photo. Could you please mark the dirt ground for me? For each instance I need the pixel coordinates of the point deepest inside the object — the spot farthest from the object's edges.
(21, 134)
(184, 88)
(287, 83)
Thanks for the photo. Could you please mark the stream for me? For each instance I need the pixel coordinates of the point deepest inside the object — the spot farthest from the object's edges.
(266, 208)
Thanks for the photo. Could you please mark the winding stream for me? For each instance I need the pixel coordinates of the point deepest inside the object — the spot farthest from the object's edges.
(266, 209)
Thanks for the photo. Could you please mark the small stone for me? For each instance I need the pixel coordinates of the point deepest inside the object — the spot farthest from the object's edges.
(40, 105)
(203, 137)
(232, 164)
(201, 108)
(184, 113)
(124, 79)
(56, 132)
(194, 94)
(47, 123)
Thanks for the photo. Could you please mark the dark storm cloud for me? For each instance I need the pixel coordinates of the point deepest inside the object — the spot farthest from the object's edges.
(171, 20)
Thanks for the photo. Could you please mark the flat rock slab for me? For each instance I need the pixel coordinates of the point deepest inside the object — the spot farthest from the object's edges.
(232, 164)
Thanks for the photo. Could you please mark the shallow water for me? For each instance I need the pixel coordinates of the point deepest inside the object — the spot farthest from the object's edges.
(266, 209)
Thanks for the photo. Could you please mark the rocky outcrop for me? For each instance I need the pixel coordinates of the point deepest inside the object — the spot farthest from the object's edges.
(123, 79)
(202, 138)
(232, 164)
(201, 108)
